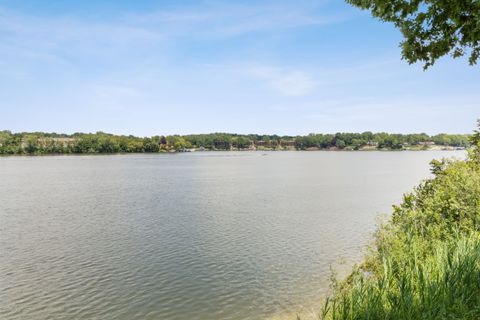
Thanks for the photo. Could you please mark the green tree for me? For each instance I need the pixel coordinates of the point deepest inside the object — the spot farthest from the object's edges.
(340, 144)
(108, 145)
(31, 144)
(475, 141)
(431, 28)
(149, 145)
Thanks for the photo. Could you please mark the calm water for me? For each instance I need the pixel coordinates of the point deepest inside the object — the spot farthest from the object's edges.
(188, 236)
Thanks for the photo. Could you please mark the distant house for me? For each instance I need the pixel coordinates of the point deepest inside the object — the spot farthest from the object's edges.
(426, 143)
(44, 142)
(287, 144)
(61, 141)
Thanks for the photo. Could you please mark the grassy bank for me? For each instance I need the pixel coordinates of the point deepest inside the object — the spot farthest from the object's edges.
(425, 261)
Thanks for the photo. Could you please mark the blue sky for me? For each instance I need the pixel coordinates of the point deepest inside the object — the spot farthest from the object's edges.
(164, 67)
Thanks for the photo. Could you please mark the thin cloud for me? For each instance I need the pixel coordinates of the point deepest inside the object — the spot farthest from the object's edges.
(63, 36)
(234, 19)
(62, 29)
(286, 82)
(214, 19)
(60, 39)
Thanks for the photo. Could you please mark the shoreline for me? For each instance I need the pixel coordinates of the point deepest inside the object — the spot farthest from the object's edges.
(452, 149)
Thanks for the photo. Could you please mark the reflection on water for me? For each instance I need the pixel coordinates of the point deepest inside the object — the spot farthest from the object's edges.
(187, 236)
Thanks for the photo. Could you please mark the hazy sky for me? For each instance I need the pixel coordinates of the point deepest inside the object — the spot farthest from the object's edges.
(163, 67)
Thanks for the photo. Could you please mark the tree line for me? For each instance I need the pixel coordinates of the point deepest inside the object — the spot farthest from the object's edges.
(100, 142)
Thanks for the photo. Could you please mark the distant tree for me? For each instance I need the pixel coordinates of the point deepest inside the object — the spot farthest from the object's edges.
(87, 144)
(241, 142)
(357, 143)
(340, 144)
(45, 143)
(135, 146)
(431, 28)
(163, 140)
(31, 144)
(108, 145)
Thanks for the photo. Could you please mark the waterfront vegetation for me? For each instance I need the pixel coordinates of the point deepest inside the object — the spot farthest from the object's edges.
(100, 142)
(431, 29)
(425, 260)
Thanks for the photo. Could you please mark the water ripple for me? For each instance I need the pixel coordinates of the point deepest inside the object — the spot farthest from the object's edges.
(194, 236)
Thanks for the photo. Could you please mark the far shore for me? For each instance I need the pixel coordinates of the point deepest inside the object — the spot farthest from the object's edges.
(414, 149)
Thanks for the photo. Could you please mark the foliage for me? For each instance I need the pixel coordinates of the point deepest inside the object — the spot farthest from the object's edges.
(431, 28)
(443, 285)
(475, 142)
(425, 261)
(100, 142)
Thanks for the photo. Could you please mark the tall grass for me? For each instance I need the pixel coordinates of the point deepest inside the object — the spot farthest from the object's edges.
(444, 285)
(425, 261)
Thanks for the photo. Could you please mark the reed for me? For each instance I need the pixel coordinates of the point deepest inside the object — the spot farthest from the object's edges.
(425, 261)
(444, 285)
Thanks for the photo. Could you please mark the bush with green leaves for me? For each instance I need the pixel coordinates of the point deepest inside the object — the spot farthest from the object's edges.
(425, 260)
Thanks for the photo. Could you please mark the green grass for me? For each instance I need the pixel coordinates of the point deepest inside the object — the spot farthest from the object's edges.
(425, 261)
(443, 285)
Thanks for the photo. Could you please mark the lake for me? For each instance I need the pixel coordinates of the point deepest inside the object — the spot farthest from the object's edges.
(214, 235)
